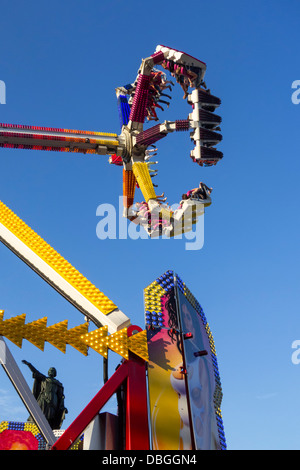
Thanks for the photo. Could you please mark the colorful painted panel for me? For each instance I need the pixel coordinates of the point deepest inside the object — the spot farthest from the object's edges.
(26, 436)
(169, 416)
(184, 383)
(200, 377)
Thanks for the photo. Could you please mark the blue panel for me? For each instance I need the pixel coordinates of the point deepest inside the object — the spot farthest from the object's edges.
(124, 110)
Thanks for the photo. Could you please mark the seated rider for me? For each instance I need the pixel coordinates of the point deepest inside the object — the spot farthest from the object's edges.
(185, 77)
(202, 192)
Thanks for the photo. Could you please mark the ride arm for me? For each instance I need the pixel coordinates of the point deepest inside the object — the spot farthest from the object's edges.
(61, 140)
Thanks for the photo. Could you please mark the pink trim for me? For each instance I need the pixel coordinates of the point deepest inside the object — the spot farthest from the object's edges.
(158, 57)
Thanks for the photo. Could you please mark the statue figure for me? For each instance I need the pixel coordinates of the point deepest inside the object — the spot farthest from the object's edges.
(49, 393)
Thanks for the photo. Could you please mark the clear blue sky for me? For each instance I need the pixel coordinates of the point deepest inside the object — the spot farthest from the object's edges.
(61, 62)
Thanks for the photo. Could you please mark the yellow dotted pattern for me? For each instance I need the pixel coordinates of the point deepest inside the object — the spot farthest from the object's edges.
(96, 340)
(218, 412)
(211, 339)
(35, 332)
(78, 337)
(56, 335)
(38, 333)
(32, 428)
(33, 241)
(118, 342)
(3, 425)
(141, 172)
(74, 337)
(12, 329)
(101, 342)
(152, 297)
(138, 344)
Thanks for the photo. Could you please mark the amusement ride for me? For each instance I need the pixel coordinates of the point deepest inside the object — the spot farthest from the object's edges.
(168, 301)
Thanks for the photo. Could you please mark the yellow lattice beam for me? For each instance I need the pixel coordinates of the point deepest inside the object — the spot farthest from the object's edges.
(54, 259)
(141, 172)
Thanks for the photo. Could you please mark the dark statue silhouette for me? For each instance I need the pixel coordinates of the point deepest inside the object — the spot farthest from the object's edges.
(49, 393)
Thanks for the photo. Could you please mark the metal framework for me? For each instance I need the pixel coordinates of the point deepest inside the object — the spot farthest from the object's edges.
(132, 373)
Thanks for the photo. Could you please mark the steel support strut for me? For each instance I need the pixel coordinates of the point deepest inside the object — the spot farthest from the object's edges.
(133, 374)
(137, 432)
